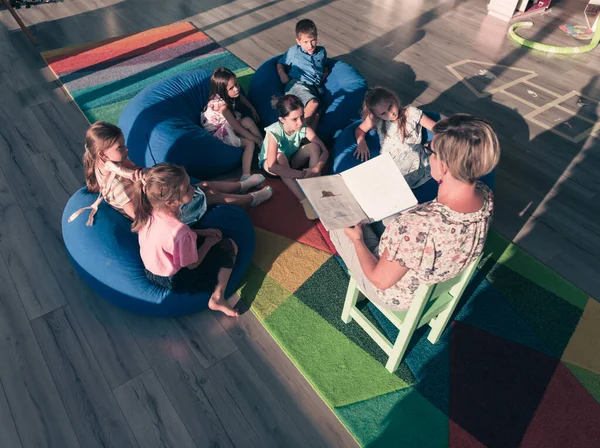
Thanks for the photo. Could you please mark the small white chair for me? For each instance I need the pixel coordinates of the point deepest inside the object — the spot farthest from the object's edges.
(433, 305)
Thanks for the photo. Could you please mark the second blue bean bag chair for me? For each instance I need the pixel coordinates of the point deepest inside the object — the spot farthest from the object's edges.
(344, 92)
(107, 256)
(162, 124)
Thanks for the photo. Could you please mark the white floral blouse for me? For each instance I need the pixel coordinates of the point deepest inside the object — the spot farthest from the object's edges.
(435, 243)
(407, 152)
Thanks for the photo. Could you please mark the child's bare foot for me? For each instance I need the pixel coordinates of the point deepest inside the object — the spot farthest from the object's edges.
(309, 211)
(218, 303)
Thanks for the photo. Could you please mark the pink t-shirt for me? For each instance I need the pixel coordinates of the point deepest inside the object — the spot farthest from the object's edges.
(167, 245)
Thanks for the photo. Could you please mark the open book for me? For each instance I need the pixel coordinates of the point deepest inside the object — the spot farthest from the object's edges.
(366, 193)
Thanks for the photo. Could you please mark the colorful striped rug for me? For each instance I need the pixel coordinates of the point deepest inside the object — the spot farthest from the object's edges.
(519, 366)
(102, 77)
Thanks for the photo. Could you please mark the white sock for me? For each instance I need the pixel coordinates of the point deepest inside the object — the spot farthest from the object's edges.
(260, 196)
(253, 180)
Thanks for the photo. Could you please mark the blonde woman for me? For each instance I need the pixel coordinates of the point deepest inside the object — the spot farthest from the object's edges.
(436, 240)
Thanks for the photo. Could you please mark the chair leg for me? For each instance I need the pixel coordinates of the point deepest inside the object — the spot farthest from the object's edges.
(438, 324)
(350, 301)
(400, 347)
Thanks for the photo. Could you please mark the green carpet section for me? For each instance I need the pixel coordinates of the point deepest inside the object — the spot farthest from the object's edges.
(340, 371)
(399, 419)
(109, 113)
(590, 380)
(261, 292)
(552, 318)
(324, 292)
(519, 261)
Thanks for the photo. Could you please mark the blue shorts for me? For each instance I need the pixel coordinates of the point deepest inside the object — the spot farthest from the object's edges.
(303, 91)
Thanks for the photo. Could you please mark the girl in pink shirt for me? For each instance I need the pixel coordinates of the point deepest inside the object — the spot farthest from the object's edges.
(177, 257)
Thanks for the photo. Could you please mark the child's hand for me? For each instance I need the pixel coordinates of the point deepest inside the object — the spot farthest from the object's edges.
(258, 141)
(255, 115)
(138, 175)
(208, 233)
(362, 152)
(311, 172)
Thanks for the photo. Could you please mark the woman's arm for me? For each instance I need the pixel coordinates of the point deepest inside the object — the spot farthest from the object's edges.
(237, 126)
(312, 137)
(382, 273)
(427, 122)
(276, 168)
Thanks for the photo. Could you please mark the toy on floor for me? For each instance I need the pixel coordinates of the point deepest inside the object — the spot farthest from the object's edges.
(592, 11)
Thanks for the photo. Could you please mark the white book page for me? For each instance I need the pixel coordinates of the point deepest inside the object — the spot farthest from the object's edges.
(379, 187)
(332, 201)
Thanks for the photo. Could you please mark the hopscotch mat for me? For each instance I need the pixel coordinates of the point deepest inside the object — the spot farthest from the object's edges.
(571, 115)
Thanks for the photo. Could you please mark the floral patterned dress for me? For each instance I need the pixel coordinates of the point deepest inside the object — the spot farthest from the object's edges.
(215, 123)
(435, 243)
(407, 152)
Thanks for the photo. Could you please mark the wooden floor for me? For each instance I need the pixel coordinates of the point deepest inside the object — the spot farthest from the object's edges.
(75, 371)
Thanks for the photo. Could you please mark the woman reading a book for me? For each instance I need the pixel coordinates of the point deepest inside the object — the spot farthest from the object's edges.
(434, 241)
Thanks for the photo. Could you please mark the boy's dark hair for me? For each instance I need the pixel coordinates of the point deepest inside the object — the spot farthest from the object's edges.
(306, 26)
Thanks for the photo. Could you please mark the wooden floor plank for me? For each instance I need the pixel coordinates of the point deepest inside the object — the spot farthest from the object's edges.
(104, 325)
(194, 396)
(206, 338)
(35, 404)
(96, 416)
(151, 415)
(9, 436)
(311, 415)
(26, 262)
(242, 388)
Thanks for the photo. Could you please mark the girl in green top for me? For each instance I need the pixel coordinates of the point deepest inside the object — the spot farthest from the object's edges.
(283, 154)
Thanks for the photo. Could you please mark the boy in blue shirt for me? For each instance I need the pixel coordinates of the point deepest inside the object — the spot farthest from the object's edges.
(302, 69)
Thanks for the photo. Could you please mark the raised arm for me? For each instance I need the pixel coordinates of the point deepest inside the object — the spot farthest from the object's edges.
(276, 168)
(362, 151)
(427, 122)
(126, 169)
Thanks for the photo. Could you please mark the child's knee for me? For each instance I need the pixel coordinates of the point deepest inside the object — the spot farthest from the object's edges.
(247, 122)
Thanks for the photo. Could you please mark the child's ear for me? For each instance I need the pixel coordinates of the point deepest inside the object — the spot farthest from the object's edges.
(298, 41)
(280, 119)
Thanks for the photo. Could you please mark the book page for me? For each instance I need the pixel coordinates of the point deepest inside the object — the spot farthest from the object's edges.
(379, 187)
(332, 201)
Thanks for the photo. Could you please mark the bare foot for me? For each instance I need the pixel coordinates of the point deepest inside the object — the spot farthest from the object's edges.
(218, 303)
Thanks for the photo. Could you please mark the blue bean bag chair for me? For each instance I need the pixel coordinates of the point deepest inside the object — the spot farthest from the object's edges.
(341, 102)
(345, 145)
(162, 124)
(107, 256)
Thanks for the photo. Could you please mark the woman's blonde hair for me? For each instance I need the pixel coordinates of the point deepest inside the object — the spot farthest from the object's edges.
(375, 96)
(99, 137)
(161, 184)
(467, 145)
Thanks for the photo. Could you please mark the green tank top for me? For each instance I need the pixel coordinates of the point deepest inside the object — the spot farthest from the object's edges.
(287, 144)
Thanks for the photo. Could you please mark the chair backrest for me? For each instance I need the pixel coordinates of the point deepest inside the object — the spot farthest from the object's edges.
(440, 295)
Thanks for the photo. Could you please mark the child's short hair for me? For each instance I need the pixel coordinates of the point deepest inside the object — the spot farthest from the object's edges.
(99, 137)
(286, 104)
(161, 184)
(306, 26)
(468, 145)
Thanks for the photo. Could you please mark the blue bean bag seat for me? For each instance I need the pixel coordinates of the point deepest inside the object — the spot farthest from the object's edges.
(107, 256)
(341, 102)
(162, 124)
(344, 159)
